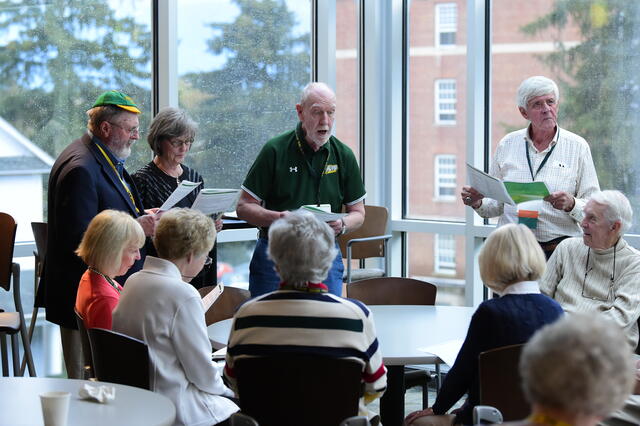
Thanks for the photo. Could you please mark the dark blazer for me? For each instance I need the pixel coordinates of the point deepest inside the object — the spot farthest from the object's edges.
(81, 184)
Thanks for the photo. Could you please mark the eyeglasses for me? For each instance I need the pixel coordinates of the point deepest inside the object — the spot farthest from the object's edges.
(612, 279)
(132, 131)
(177, 143)
(208, 261)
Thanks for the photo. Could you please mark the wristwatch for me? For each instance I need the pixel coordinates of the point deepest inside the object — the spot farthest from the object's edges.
(343, 230)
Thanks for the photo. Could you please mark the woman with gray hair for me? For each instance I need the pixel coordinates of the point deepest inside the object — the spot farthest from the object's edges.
(576, 372)
(171, 136)
(302, 317)
(511, 262)
(541, 152)
(160, 308)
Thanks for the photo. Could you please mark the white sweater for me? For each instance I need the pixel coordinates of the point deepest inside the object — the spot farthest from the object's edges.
(159, 308)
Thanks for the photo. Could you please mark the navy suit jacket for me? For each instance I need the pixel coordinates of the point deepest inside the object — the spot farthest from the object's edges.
(81, 184)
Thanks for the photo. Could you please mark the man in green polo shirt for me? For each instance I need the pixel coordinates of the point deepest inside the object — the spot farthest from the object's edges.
(305, 166)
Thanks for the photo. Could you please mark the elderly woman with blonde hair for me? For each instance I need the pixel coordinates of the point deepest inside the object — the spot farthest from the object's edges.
(576, 371)
(110, 246)
(160, 308)
(511, 262)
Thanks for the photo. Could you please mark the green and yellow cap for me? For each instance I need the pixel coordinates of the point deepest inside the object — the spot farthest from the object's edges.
(113, 97)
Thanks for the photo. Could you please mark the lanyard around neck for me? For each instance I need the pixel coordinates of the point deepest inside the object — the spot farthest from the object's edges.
(312, 171)
(118, 174)
(544, 161)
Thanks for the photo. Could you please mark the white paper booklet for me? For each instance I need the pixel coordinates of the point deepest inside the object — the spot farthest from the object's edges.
(446, 351)
(323, 215)
(488, 185)
(214, 201)
(181, 191)
(212, 296)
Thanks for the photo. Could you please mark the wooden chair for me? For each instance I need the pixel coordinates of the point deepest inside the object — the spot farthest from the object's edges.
(399, 291)
(12, 323)
(86, 347)
(366, 242)
(226, 305)
(292, 390)
(118, 358)
(500, 382)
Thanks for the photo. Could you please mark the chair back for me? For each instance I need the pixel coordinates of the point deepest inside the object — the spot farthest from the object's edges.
(356, 421)
(8, 228)
(86, 346)
(226, 305)
(393, 291)
(484, 414)
(118, 358)
(500, 382)
(302, 389)
(241, 419)
(40, 230)
(375, 224)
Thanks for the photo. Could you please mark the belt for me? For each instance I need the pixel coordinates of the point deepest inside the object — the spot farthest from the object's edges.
(552, 244)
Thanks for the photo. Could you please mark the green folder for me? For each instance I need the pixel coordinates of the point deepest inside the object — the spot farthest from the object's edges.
(526, 191)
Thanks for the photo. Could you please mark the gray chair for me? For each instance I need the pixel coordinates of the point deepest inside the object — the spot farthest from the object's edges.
(368, 241)
(241, 419)
(484, 414)
(356, 421)
(12, 323)
(86, 347)
(118, 358)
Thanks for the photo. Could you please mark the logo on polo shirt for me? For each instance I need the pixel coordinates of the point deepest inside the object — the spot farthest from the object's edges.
(293, 169)
(331, 168)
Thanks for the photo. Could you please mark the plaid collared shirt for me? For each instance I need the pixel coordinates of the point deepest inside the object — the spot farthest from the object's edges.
(569, 168)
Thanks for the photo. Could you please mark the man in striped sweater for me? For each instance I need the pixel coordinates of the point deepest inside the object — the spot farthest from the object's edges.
(302, 317)
(600, 272)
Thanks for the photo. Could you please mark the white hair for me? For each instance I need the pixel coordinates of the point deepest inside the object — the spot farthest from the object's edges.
(302, 247)
(580, 364)
(536, 86)
(312, 87)
(617, 207)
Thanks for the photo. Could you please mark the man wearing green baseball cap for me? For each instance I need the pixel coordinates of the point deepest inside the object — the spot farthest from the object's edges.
(88, 177)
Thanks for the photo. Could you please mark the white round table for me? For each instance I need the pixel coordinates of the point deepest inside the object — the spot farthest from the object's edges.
(20, 404)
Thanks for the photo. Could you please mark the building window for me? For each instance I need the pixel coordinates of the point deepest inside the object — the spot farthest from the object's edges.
(445, 254)
(445, 179)
(445, 101)
(446, 24)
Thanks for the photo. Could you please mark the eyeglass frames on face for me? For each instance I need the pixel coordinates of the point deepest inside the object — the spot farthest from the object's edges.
(177, 143)
(208, 261)
(133, 131)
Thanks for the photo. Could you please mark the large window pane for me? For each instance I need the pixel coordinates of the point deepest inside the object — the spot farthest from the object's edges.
(590, 50)
(347, 74)
(56, 58)
(241, 68)
(438, 259)
(436, 136)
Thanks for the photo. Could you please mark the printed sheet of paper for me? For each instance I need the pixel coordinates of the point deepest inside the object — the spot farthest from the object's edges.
(181, 191)
(219, 354)
(488, 185)
(526, 191)
(446, 351)
(323, 215)
(214, 201)
(212, 296)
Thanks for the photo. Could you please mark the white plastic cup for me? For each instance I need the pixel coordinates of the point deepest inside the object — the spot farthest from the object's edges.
(55, 408)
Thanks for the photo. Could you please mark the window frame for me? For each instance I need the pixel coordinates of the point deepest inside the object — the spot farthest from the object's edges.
(442, 12)
(439, 102)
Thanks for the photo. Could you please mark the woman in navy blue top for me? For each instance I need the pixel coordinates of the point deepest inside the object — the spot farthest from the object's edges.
(511, 261)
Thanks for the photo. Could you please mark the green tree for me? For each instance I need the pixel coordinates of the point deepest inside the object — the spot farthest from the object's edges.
(252, 97)
(599, 83)
(59, 55)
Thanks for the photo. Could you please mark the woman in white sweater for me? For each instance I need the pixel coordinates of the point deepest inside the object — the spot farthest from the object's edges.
(158, 307)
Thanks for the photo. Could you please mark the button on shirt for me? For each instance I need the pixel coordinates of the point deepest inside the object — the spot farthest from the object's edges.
(569, 168)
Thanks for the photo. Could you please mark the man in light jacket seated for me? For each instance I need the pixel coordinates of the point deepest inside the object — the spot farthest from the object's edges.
(600, 272)
(303, 250)
(159, 307)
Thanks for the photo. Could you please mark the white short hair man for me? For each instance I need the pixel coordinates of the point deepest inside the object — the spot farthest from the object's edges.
(601, 271)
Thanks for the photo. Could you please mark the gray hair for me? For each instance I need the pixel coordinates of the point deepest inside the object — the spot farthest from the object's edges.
(617, 207)
(536, 86)
(302, 247)
(312, 87)
(98, 115)
(581, 364)
(181, 232)
(170, 123)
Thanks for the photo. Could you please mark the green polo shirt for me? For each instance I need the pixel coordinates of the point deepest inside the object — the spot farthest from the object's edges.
(281, 176)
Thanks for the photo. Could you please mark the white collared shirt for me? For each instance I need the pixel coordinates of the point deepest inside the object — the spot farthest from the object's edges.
(523, 287)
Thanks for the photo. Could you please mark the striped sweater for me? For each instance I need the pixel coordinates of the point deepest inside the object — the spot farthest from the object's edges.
(289, 321)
